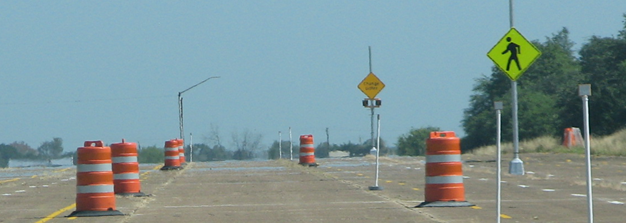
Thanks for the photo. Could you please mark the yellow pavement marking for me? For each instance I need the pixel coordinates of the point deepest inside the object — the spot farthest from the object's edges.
(33, 176)
(505, 216)
(55, 214)
(388, 181)
(7, 181)
(72, 218)
(416, 189)
(359, 174)
(339, 169)
(401, 184)
(476, 207)
(62, 170)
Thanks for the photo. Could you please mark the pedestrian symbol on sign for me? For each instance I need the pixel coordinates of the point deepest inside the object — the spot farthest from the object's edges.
(514, 50)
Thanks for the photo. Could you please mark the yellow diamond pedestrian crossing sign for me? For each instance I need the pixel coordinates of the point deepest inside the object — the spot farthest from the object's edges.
(513, 54)
(371, 85)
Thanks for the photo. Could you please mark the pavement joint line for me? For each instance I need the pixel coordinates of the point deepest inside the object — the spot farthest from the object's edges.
(147, 200)
(55, 214)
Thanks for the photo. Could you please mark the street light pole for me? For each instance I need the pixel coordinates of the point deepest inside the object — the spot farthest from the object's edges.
(180, 99)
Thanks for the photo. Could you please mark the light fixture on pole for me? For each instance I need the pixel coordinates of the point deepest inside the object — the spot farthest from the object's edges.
(180, 101)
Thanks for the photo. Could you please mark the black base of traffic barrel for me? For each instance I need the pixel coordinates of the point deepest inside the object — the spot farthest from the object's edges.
(138, 194)
(375, 188)
(309, 164)
(445, 204)
(171, 168)
(95, 213)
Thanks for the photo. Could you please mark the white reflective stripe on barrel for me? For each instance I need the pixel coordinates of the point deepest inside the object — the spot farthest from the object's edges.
(306, 145)
(172, 149)
(124, 159)
(94, 189)
(126, 176)
(102, 167)
(171, 157)
(445, 180)
(444, 158)
(306, 154)
(181, 154)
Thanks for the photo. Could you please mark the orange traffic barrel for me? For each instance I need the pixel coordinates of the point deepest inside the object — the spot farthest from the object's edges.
(572, 137)
(125, 169)
(172, 161)
(94, 181)
(444, 179)
(181, 151)
(307, 156)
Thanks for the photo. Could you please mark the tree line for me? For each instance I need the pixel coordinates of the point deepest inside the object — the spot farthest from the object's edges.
(20, 150)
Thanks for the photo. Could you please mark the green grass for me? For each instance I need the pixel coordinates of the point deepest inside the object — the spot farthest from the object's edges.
(611, 145)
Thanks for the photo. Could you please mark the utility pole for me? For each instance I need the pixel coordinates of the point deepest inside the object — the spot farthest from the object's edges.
(328, 145)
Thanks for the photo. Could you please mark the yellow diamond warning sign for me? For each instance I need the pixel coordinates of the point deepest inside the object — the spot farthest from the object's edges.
(371, 85)
(513, 54)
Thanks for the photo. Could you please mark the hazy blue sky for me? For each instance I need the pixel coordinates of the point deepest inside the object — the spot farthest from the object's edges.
(107, 70)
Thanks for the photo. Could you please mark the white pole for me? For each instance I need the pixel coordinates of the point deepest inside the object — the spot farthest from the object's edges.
(584, 91)
(376, 175)
(291, 157)
(498, 106)
(191, 148)
(280, 155)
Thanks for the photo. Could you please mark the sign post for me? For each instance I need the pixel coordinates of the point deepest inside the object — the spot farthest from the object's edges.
(498, 106)
(513, 54)
(371, 86)
(584, 92)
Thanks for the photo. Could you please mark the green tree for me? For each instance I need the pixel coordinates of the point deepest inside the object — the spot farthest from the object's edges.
(273, 151)
(414, 143)
(51, 149)
(151, 154)
(322, 150)
(7, 152)
(602, 63)
(206, 153)
(24, 150)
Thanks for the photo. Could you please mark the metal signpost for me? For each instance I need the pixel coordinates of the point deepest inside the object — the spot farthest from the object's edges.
(513, 54)
(498, 106)
(280, 156)
(371, 86)
(584, 92)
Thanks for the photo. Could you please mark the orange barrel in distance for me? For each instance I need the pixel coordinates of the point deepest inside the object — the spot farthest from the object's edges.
(444, 179)
(172, 161)
(181, 151)
(94, 181)
(125, 169)
(307, 156)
